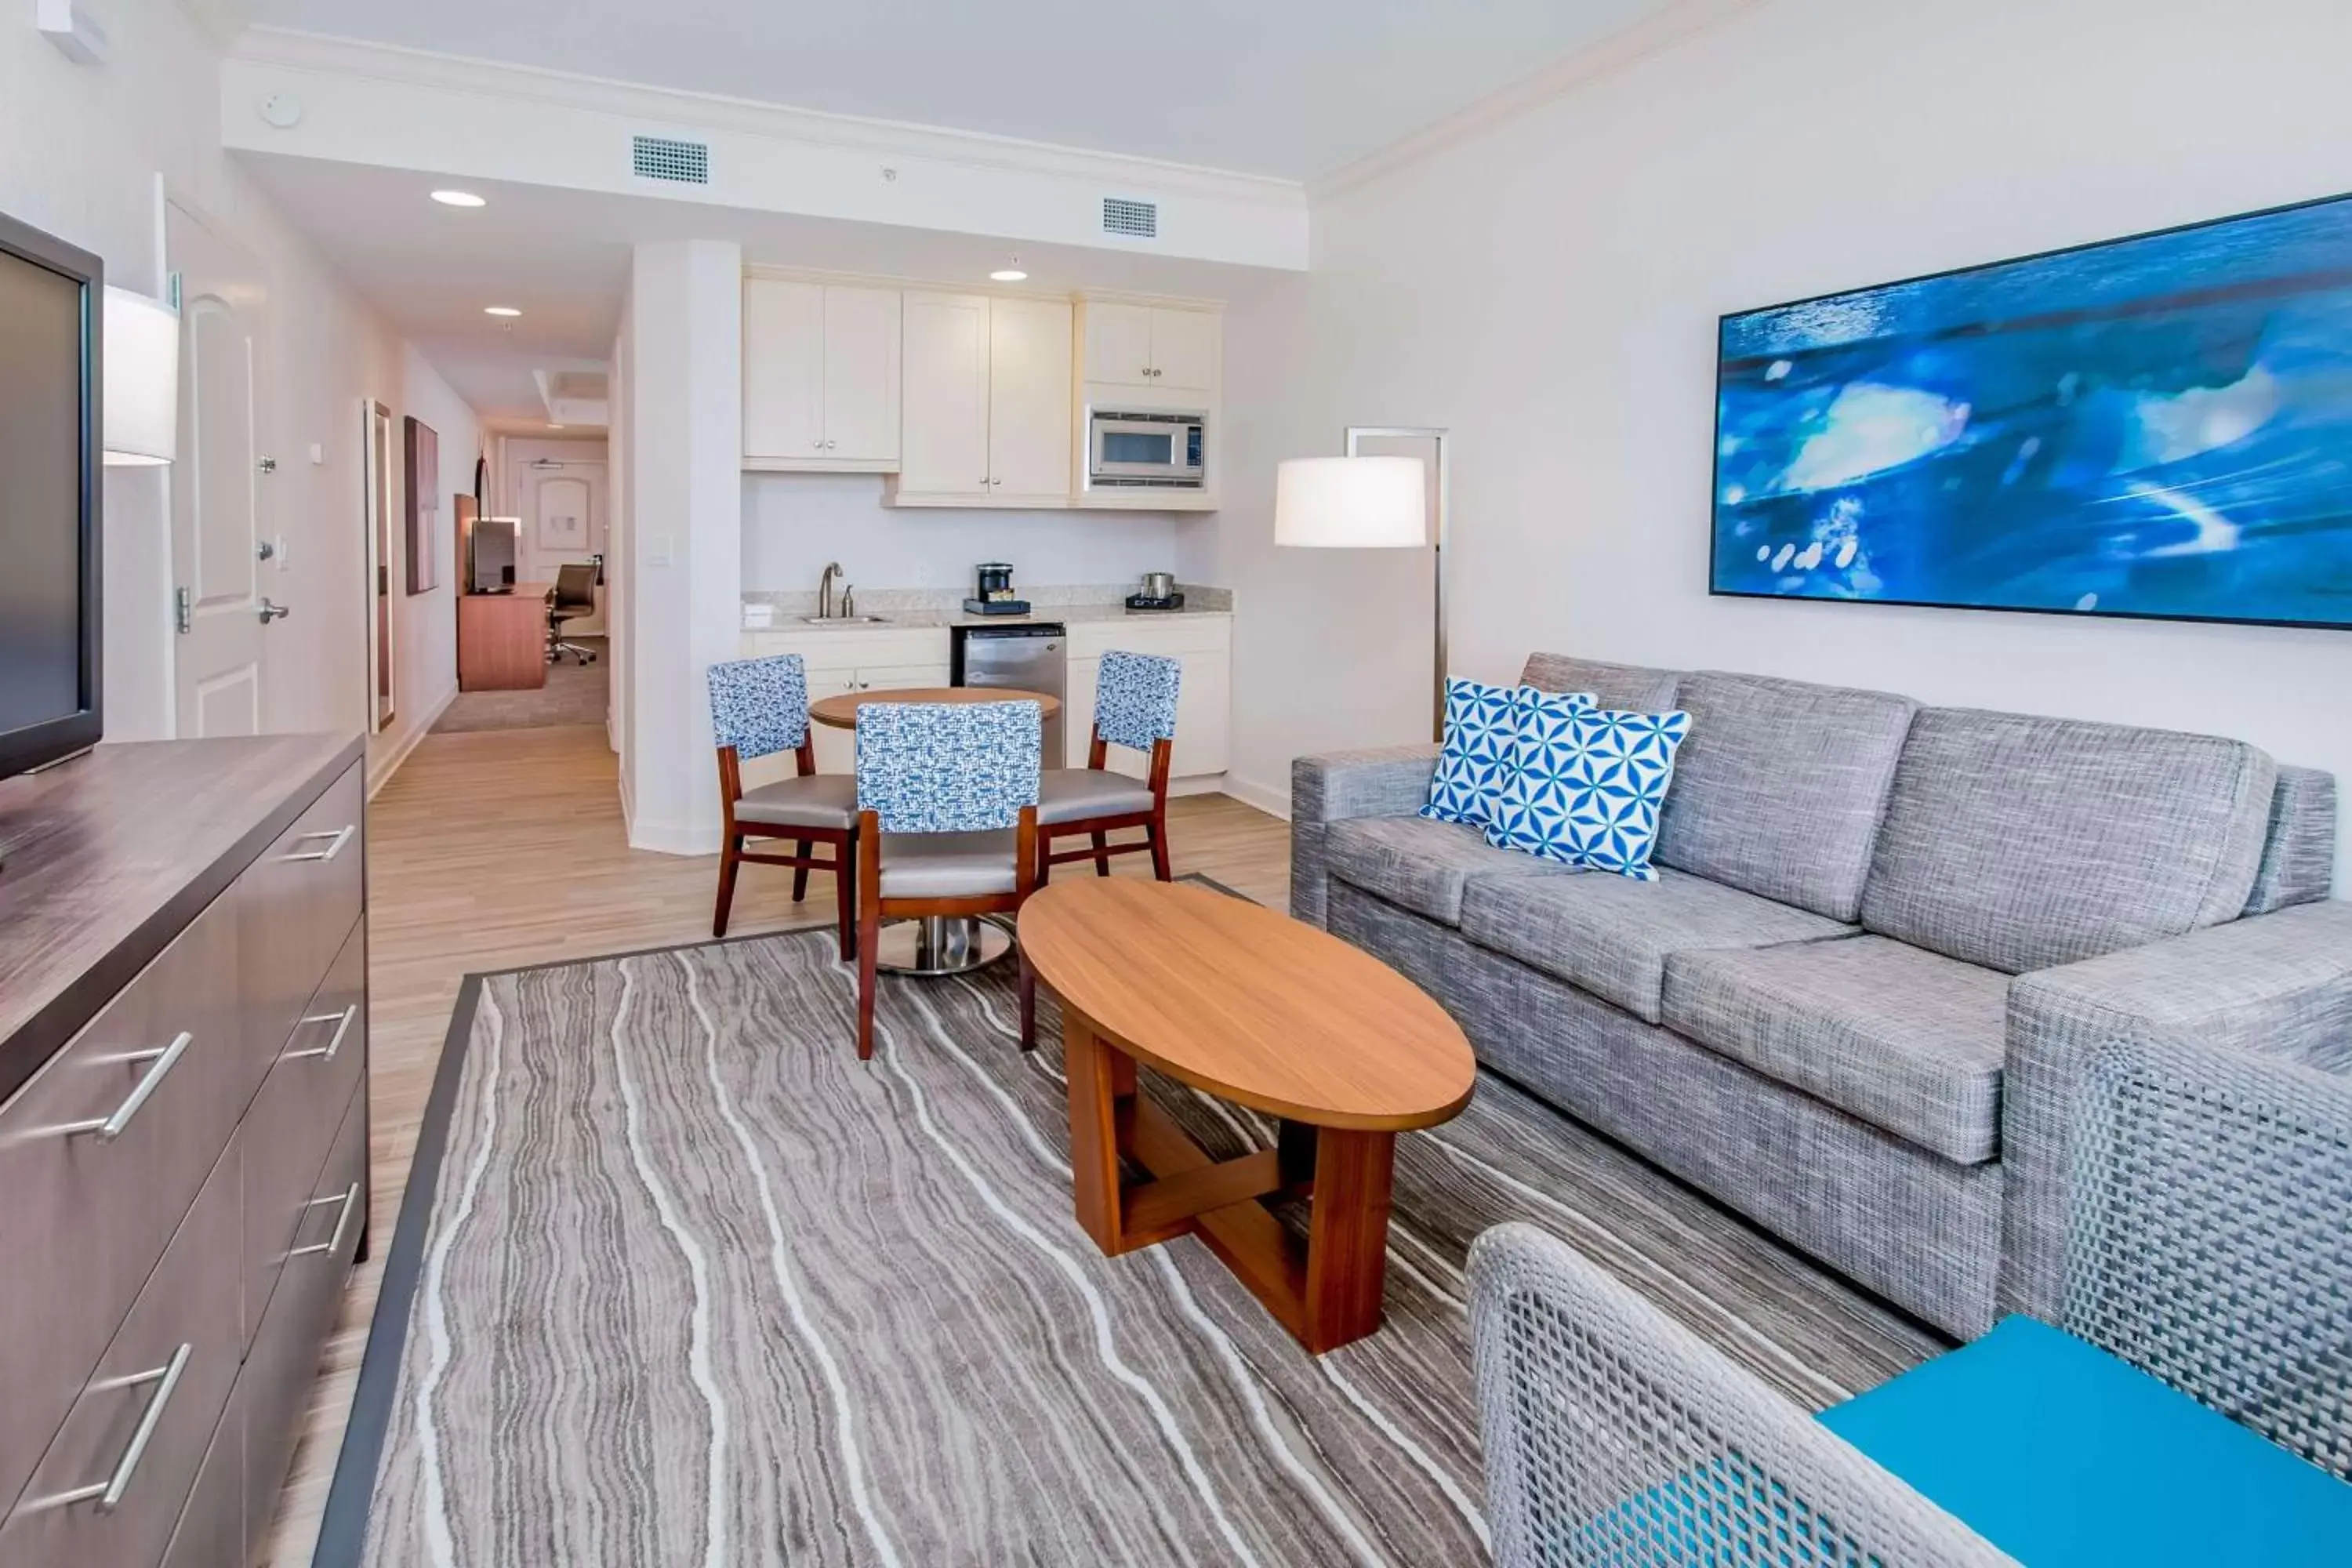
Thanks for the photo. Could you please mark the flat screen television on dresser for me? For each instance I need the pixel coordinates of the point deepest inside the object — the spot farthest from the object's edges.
(52, 307)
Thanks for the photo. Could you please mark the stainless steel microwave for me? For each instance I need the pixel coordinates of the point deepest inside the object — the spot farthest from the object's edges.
(1167, 451)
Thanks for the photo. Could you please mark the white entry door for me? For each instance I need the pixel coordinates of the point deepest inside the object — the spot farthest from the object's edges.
(218, 486)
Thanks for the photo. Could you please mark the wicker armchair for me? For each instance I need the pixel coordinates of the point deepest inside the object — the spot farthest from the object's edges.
(2209, 1245)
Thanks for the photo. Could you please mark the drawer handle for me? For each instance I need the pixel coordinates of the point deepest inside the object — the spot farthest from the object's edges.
(108, 1128)
(350, 1200)
(341, 835)
(108, 1494)
(326, 1053)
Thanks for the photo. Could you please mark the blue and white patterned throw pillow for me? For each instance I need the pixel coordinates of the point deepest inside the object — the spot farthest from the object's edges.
(1475, 761)
(1587, 783)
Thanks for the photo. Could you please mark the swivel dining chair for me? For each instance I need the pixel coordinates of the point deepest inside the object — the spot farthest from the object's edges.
(1135, 707)
(947, 807)
(760, 707)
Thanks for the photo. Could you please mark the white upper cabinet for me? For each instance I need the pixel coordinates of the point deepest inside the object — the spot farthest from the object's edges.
(1152, 347)
(1029, 400)
(946, 395)
(820, 376)
(987, 402)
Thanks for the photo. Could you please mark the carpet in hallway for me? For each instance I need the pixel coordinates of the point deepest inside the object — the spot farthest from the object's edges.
(682, 1281)
(575, 693)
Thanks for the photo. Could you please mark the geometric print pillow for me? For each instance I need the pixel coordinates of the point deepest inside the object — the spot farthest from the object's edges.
(1587, 784)
(1476, 759)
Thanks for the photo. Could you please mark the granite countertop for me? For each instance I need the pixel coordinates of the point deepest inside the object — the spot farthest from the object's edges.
(923, 609)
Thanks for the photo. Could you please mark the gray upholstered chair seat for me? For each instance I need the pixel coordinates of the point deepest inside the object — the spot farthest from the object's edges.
(1907, 1039)
(1072, 795)
(1423, 865)
(819, 800)
(949, 865)
(1611, 935)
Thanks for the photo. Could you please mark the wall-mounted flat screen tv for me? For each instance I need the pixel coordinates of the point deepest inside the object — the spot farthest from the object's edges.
(51, 319)
(2153, 426)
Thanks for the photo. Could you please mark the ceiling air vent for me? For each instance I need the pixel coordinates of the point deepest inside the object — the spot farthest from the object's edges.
(667, 158)
(1123, 216)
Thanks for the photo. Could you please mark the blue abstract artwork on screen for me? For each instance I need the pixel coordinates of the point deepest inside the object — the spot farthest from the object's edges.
(2159, 427)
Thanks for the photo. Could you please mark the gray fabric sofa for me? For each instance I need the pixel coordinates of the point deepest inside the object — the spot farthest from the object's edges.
(1883, 939)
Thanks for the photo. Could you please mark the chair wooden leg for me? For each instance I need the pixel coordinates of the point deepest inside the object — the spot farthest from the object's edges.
(1158, 835)
(1044, 856)
(1102, 853)
(728, 851)
(869, 939)
(1028, 988)
(799, 873)
(844, 888)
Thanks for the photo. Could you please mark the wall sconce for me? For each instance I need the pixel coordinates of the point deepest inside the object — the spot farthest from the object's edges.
(142, 380)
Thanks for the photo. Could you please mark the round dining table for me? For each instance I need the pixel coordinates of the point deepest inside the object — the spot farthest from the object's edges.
(934, 944)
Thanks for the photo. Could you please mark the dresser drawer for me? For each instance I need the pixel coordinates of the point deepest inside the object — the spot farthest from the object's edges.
(294, 904)
(295, 1116)
(284, 1361)
(101, 1152)
(211, 1531)
(110, 1488)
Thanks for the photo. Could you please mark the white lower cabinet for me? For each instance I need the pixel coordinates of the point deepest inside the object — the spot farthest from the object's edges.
(1204, 643)
(884, 658)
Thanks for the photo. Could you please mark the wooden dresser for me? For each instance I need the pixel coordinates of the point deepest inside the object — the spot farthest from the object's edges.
(183, 1136)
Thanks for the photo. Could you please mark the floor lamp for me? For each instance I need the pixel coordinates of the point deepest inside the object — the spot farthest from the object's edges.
(1363, 501)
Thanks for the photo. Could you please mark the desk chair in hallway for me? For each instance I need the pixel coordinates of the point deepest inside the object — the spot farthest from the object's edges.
(574, 599)
(759, 707)
(947, 809)
(1135, 707)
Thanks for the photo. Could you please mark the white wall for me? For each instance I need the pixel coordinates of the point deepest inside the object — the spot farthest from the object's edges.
(682, 607)
(84, 146)
(794, 523)
(1548, 289)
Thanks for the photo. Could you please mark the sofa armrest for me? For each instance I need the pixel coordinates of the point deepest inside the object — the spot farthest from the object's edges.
(2276, 985)
(1336, 787)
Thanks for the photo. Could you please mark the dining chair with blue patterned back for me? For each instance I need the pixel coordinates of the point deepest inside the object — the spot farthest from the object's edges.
(1134, 708)
(759, 708)
(947, 807)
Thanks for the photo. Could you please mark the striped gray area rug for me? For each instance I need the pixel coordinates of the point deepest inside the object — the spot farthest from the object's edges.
(691, 1285)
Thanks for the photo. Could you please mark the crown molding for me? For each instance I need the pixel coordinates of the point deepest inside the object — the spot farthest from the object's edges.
(677, 109)
(1663, 30)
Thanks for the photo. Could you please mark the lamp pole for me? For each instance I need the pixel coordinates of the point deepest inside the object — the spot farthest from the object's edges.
(1439, 438)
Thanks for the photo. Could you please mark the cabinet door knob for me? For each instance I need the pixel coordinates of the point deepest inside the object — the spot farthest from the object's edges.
(828, 446)
(818, 443)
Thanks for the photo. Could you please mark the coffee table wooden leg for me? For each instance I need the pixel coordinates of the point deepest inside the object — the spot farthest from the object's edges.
(1347, 1237)
(1100, 1077)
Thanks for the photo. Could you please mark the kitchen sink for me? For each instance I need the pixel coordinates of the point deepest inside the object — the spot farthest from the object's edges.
(843, 620)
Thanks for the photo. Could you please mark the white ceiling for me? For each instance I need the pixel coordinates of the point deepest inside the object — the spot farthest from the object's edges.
(561, 258)
(1288, 88)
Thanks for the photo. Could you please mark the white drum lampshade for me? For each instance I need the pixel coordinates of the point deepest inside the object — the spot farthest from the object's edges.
(142, 379)
(1352, 504)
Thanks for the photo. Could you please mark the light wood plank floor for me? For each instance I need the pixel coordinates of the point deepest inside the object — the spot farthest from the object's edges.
(496, 848)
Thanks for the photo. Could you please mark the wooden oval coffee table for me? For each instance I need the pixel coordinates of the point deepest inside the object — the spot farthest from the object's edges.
(1257, 1008)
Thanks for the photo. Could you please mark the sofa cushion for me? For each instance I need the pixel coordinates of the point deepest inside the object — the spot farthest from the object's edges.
(2299, 849)
(1907, 1039)
(1781, 788)
(1421, 865)
(1634, 688)
(2018, 842)
(1611, 935)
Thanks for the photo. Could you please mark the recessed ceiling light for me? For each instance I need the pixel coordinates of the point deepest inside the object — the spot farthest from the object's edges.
(500, 311)
(459, 199)
(552, 426)
(1007, 275)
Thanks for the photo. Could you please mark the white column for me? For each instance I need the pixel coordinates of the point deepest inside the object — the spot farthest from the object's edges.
(685, 531)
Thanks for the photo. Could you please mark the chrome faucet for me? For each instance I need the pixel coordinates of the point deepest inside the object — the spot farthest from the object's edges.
(825, 590)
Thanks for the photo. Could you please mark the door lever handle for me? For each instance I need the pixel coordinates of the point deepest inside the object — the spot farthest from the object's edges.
(270, 612)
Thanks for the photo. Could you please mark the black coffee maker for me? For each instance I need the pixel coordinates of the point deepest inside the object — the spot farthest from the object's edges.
(994, 596)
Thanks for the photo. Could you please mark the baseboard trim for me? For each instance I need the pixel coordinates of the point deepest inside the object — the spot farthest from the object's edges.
(672, 838)
(399, 754)
(1273, 801)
